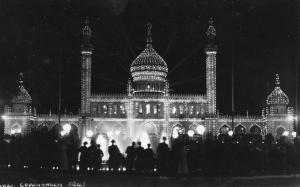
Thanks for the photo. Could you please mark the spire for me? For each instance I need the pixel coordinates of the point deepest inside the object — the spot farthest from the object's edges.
(277, 81)
(211, 32)
(149, 38)
(87, 34)
(21, 80)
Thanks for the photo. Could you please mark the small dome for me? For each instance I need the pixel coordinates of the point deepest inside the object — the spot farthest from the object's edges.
(23, 96)
(277, 96)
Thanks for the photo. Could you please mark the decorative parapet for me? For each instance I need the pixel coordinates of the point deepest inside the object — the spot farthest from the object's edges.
(107, 96)
(188, 97)
(241, 118)
(54, 117)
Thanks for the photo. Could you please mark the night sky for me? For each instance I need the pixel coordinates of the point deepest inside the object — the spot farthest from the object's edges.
(37, 37)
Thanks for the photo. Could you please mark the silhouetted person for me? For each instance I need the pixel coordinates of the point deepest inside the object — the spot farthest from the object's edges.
(114, 159)
(149, 159)
(83, 157)
(98, 158)
(131, 154)
(139, 162)
(162, 155)
(92, 156)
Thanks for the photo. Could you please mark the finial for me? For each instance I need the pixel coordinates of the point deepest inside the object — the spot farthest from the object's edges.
(277, 81)
(149, 38)
(86, 21)
(21, 79)
(211, 21)
(87, 32)
(211, 31)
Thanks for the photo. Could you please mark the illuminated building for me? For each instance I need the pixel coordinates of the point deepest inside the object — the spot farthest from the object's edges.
(147, 111)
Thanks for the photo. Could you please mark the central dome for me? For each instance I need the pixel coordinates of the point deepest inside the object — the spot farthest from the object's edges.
(149, 66)
(149, 70)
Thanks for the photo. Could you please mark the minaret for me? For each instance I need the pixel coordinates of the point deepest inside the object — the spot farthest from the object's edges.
(211, 52)
(86, 63)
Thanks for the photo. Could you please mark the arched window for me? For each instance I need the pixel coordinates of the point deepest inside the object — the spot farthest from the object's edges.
(174, 109)
(255, 130)
(240, 130)
(104, 107)
(181, 109)
(122, 109)
(140, 108)
(224, 129)
(191, 109)
(115, 109)
(155, 109)
(280, 131)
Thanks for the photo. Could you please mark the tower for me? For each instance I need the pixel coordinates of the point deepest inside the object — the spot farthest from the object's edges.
(211, 52)
(86, 63)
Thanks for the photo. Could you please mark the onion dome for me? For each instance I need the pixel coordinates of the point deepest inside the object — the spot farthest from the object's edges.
(277, 96)
(22, 96)
(149, 70)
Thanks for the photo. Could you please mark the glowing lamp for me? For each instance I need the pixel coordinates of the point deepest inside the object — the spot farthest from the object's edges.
(4, 117)
(200, 129)
(89, 133)
(294, 134)
(230, 133)
(285, 133)
(190, 133)
(175, 134)
(67, 128)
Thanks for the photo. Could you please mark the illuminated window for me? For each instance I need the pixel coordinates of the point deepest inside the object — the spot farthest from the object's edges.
(181, 109)
(174, 110)
(122, 108)
(147, 108)
(140, 108)
(104, 109)
(115, 109)
(155, 109)
(191, 109)
(110, 109)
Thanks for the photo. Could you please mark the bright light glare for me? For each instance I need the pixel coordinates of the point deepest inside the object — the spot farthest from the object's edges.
(190, 133)
(200, 129)
(230, 133)
(294, 134)
(117, 132)
(67, 128)
(144, 139)
(175, 134)
(89, 133)
(290, 118)
(109, 134)
(285, 133)
(4, 117)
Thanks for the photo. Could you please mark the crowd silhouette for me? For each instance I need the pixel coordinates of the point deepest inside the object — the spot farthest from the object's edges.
(226, 155)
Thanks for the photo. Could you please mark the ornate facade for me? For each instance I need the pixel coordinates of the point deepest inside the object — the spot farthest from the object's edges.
(148, 111)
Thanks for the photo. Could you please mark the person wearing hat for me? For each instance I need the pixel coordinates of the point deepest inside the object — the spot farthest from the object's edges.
(114, 156)
(83, 156)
